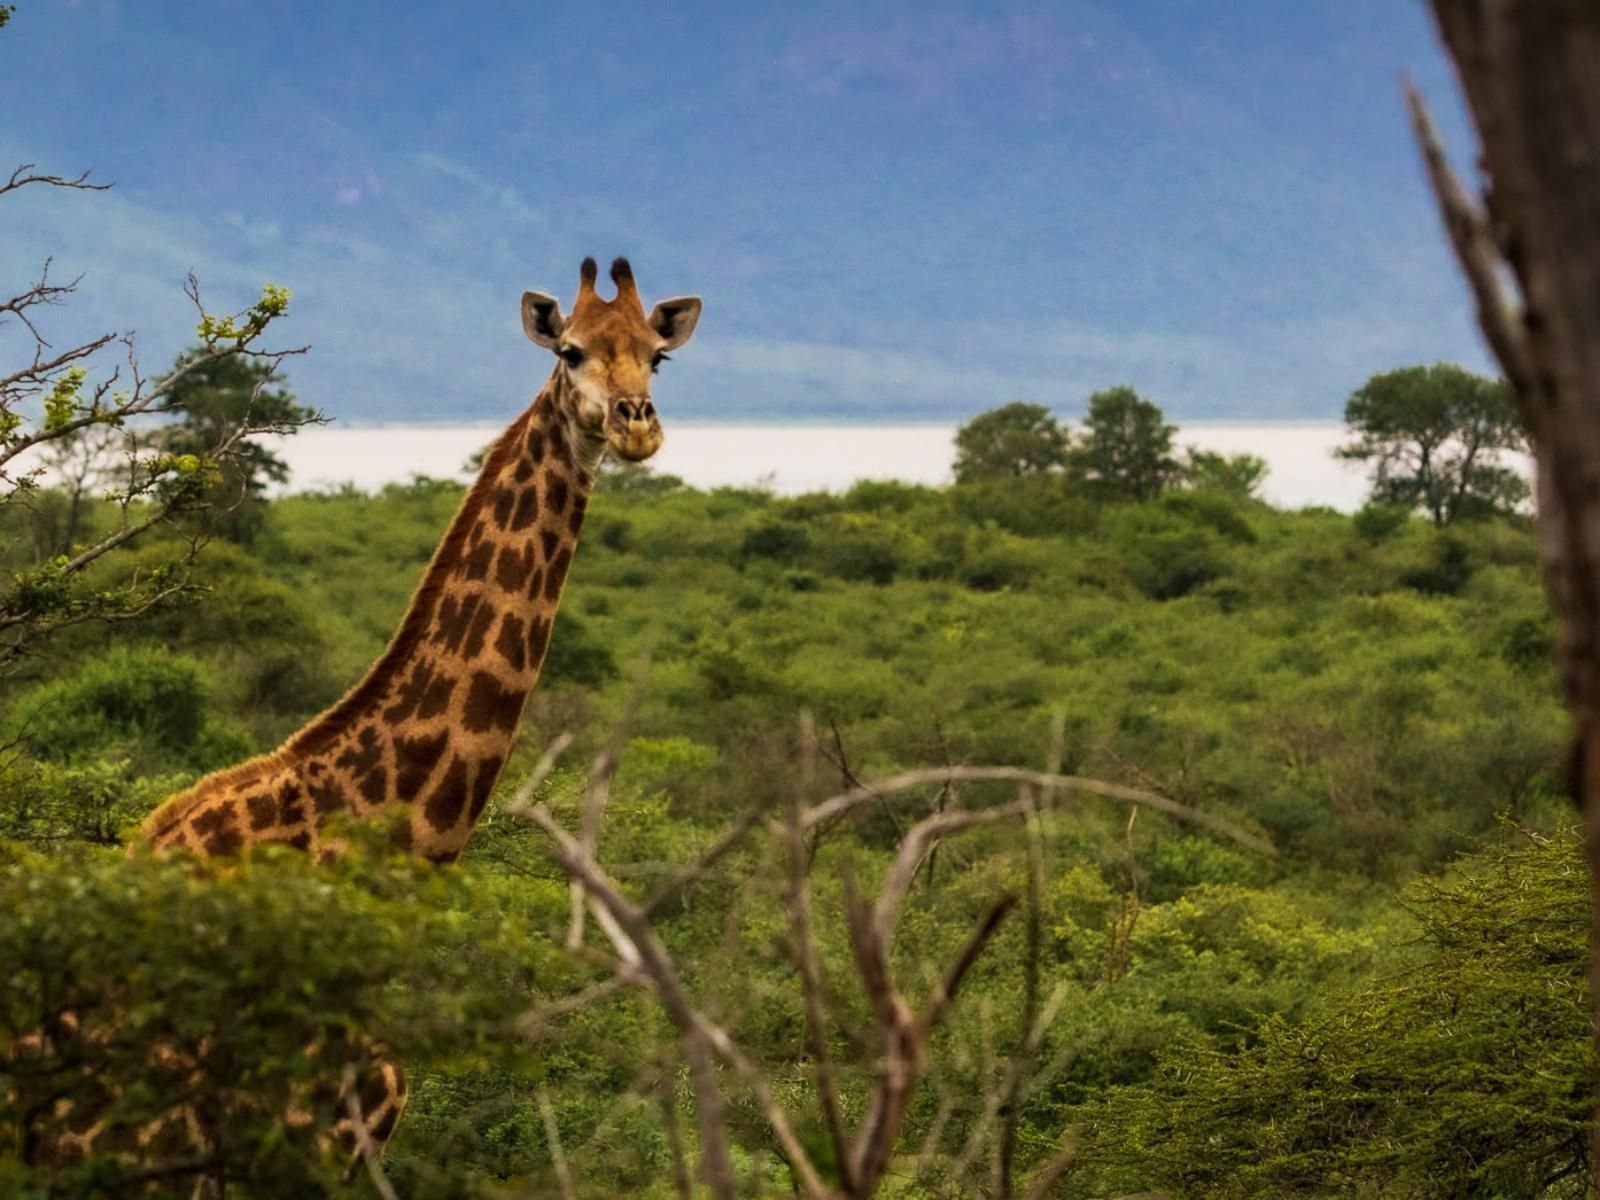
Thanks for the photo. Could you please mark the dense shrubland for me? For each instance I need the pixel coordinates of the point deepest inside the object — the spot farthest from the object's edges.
(1392, 1005)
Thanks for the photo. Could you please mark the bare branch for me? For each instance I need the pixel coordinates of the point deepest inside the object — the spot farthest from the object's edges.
(21, 178)
(1477, 252)
(713, 854)
(914, 845)
(541, 771)
(532, 1024)
(605, 766)
(552, 1137)
(835, 805)
(1007, 1096)
(1043, 1184)
(358, 1127)
(1022, 1058)
(715, 1164)
(805, 955)
(752, 1078)
(941, 1000)
(905, 1036)
(669, 1118)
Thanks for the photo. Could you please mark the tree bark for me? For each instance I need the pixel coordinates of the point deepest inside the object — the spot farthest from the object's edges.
(1531, 75)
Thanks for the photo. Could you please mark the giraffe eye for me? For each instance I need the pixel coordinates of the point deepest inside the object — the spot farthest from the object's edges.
(655, 363)
(571, 355)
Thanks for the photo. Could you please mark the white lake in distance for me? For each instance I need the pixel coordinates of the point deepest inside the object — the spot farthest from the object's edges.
(791, 459)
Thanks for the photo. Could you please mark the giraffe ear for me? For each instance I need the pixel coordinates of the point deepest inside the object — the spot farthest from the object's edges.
(675, 319)
(541, 319)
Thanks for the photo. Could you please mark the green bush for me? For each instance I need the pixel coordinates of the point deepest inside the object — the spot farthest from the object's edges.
(1467, 1074)
(781, 540)
(144, 701)
(575, 655)
(1377, 522)
(187, 969)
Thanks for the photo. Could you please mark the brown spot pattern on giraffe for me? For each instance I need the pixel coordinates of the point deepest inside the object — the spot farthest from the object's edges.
(415, 759)
(512, 567)
(451, 632)
(483, 785)
(374, 786)
(557, 574)
(491, 706)
(527, 509)
(425, 693)
(477, 562)
(226, 838)
(482, 622)
(449, 797)
(364, 752)
(326, 796)
(504, 498)
(293, 809)
(538, 639)
(555, 494)
(511, 643)
(263, 810)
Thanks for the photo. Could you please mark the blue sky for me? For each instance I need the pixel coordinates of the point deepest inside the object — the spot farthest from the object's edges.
(894, 211)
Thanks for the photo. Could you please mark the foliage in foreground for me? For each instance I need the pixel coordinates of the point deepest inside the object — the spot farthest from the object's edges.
(1368, 692)
(154, 981)
(1467, 1073)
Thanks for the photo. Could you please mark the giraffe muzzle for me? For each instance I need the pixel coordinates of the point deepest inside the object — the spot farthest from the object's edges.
(633, 431)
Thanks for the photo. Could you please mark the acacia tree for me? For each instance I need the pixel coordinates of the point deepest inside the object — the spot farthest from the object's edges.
(57, 395)
(1434, 437)
(1126, 448)
(1011, 441)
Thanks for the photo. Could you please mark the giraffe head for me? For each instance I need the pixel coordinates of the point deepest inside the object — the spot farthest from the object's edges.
(608, 349)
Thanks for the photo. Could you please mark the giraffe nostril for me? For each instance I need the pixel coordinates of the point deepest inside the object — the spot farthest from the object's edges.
(648, 410)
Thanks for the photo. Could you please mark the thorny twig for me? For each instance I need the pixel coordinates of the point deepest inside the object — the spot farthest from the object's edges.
(358, 1121)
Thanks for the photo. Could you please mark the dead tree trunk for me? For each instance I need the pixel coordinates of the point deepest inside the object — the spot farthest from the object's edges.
(1531, 75)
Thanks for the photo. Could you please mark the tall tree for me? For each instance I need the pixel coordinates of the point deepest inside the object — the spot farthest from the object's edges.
(1013, 440)
(1434, 437)
(1126, 448)
(1529, 245)
(220, 398)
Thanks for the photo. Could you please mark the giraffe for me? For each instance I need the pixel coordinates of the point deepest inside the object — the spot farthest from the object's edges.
(420, 740)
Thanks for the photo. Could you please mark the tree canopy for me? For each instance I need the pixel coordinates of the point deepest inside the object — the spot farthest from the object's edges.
(1433, 437)
(1238, 475)
(1014, 440)
(1126, 448)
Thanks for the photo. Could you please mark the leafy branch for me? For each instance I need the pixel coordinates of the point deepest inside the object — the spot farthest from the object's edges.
(59, 396)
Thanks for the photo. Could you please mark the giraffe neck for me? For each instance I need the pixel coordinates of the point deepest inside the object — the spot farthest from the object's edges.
(446, 698)
(429, 727)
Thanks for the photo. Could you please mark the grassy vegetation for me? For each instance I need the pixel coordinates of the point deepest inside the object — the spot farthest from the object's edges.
(1393, 1005)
